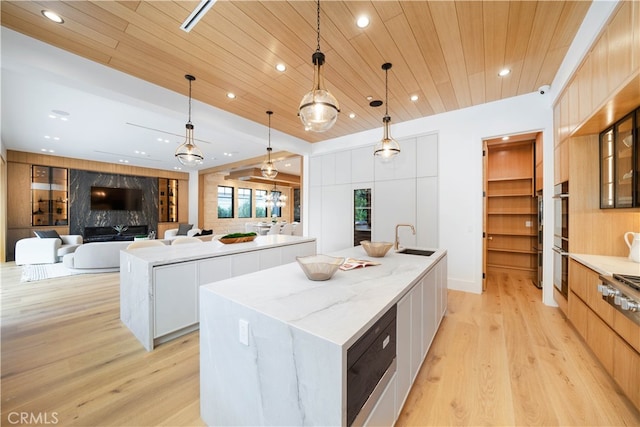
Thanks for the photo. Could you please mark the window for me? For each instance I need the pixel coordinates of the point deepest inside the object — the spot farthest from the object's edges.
(244, 203)
(225, 202)
(261, 206)
(361, 215)
(275, 209)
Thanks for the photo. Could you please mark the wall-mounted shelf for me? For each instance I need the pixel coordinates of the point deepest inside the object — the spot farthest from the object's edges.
(512, 221)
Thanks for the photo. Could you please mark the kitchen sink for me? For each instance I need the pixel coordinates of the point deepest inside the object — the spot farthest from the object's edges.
(409, 251)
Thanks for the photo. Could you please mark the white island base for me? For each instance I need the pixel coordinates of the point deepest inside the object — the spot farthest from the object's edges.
(159, 285)
(273, 347)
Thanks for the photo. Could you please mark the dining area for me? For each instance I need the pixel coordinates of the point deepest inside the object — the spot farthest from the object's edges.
(264, 228)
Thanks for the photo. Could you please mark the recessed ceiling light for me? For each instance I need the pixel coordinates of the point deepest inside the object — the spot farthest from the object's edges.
(44, 150)
(369, 98)
(177, 168)
(505, 138)
(231, 95)
(362, 22)
(414, 98)
(52, 16)
(123, 161)
(287, 165)
(281, 67)
(352, 115)
(504, 72)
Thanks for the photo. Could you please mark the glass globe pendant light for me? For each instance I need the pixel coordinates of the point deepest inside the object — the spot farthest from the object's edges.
(388, 147)
(268, 169)
(318, 109)
(187, 153)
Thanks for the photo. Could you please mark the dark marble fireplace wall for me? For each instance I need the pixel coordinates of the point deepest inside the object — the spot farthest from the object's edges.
(81, 215)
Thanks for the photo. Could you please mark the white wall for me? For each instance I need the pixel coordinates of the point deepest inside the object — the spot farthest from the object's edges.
(459, 170)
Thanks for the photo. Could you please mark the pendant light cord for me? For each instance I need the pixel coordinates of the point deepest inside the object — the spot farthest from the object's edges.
(386, 92)
(189, 100)
(269, 150)
(318, 22)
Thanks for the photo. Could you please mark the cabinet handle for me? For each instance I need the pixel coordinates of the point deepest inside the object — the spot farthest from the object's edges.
(490, 238)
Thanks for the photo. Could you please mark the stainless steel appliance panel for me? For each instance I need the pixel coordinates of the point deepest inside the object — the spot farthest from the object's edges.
(368, 363)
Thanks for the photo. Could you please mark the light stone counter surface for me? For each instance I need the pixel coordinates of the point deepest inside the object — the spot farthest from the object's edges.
(179, 253)
(337, 310)
(274, 345)
(608, 265)
(159, 285)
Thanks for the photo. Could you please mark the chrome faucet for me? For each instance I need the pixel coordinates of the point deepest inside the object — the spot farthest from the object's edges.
(396, 245)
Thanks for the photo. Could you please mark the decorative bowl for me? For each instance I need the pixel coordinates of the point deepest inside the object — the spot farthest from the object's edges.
(376, 249)
(319, 267)
(229, 240)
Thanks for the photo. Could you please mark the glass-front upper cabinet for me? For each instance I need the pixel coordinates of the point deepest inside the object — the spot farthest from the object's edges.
(619, 164)
(361, 215)
(49, 195)
(168, 200)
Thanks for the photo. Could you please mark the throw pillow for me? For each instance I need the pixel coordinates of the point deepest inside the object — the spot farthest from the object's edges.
(183, 228)
(206, 232)
(48, 234)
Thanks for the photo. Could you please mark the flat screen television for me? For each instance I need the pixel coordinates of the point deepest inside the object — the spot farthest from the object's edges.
(116, 199)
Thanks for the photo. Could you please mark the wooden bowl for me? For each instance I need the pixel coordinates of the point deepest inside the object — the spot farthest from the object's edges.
(230, 240)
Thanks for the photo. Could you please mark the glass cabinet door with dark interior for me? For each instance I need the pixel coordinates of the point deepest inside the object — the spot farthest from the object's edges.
(167, 200)
(618, 166)
(49, 190)
(361, 215)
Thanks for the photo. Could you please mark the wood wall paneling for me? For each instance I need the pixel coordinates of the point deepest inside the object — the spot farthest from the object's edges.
(209, 199)
(593, 230)
(19, 184)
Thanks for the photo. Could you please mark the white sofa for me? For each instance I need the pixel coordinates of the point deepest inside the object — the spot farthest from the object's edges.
(35, 250)
(96, 257)
(172, 233)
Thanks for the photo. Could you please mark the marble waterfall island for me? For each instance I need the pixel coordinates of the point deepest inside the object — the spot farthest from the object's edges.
(274, 345)
(159, 285)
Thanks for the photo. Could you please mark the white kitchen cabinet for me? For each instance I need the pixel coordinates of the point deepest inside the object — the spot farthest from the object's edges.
(427, 155)
(315, 171)
(289, 253)
(175, 297)
(384, 413)
(429, 309)
(394, 202)
(426, 196)
(269, 258)
(329, 169)
(362, 164)
(343, 167)
(214, 269)
(245, 263)
(403, 349)
(419, 314)
(416, 329)
(337, 217)
(442, 288)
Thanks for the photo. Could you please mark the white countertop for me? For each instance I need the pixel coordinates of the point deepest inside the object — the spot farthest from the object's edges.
(160, 255)
(608, 265)
(338, 309)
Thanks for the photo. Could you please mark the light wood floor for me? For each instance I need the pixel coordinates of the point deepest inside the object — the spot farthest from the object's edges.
(501, 358)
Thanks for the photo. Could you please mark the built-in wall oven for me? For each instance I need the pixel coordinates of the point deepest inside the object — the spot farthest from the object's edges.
(561, 238)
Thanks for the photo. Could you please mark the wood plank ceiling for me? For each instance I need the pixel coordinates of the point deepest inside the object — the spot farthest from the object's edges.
(447, 53)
